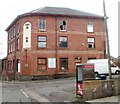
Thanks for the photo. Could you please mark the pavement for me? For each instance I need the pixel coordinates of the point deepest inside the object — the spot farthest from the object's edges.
(110, 100)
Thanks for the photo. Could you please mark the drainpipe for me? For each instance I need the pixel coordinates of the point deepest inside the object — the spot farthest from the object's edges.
(56, 50)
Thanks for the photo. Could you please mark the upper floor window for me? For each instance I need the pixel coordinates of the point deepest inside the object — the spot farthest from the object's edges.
(18, 28)
(13, 46)
(63, 25)
(9, 48)
(42, 24)
(91, 42)
(14, 32)
(42, 41)
(9, 36)
(18, 42)
(63, 42)
(90, 26)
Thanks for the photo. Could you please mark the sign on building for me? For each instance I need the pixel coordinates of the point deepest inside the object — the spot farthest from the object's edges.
(51, 62)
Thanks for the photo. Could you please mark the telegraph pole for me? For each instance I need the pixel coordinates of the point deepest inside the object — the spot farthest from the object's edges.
(107, 40)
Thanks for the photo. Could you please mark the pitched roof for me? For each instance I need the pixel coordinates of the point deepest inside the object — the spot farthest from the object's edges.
(62, 11)
(55, 11)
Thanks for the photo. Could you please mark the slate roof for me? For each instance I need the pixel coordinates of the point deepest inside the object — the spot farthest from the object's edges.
(55, 11)
(62, 11)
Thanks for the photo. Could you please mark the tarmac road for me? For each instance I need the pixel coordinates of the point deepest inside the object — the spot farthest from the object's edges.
(57, 90)
(62, 90)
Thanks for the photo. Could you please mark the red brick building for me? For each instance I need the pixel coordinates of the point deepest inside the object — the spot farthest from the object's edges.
(51, 41)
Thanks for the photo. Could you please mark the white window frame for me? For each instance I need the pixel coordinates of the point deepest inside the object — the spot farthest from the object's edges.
(92, 42)
(39, 23)
(61, 24)
(40, 41)
(90, 26)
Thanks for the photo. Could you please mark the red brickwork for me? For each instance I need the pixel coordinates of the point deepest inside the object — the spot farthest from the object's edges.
(77, 43)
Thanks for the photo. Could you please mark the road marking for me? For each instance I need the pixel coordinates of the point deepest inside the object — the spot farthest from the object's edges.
(24, 93)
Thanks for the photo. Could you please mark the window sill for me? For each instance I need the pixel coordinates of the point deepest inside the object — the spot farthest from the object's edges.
(42, 30)
(91, 48)
(90, 32)
(63, 48)
(65, 70)
(63, 31)
(41, 48)
(41, 70)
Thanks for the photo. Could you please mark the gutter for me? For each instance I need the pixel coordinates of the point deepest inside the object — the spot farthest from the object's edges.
(54, 15)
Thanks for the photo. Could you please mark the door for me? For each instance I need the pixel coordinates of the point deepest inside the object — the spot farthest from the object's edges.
(18, 65)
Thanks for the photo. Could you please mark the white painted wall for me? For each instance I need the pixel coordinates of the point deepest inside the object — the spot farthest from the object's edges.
(27, 35)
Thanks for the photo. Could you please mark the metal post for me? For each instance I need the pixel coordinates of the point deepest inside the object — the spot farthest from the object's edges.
(107, 39)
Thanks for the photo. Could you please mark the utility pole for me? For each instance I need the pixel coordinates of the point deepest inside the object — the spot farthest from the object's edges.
(107, 40)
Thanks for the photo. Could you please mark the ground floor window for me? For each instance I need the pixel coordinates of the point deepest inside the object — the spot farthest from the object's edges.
(10, 65)
(42, 63)
(63, 63)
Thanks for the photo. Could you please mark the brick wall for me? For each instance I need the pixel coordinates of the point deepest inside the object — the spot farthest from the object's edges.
(100, 88)
(77, 35)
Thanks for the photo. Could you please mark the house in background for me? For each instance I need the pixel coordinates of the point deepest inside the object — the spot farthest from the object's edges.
(50, 41)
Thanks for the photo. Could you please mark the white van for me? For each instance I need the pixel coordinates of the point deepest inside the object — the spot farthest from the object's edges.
(101, 66)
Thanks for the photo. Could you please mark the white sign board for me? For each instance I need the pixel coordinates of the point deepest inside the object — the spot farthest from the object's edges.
(51, 62)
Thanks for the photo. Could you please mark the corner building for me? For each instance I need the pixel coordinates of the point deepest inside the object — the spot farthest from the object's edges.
(52, 40)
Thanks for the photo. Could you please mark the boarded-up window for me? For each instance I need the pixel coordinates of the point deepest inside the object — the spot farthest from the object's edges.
(63, 63)
(90, 27)
(42, 63)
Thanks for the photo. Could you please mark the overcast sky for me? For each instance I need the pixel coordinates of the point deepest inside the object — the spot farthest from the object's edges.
(9, 10)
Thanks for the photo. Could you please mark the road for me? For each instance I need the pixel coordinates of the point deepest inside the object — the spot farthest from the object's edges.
(39, 91)
(57, 90)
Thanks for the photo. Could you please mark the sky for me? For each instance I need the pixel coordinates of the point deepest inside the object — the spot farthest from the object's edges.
(10, 9)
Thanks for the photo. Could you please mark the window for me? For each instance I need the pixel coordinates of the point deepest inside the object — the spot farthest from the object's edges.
(42, 63)
(8, 35)
(9, 49)
(27, 26)
(63, 26)
(18, 29)
(91, 42)
(42, 41)
(63, 63)
(63, 42)
(90, 27)
(42, 24)
(13, 46)
(9, 65)
(26, 39)
(14, 32)
(18, 42)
